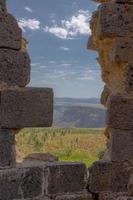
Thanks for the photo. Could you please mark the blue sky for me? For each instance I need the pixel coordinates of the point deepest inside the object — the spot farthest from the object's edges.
(57, 31)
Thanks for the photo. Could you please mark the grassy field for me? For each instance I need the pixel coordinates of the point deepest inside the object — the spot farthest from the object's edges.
(82, 145)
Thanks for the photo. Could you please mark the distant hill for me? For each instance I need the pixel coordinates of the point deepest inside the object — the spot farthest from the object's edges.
(70, 101)
(82, 113)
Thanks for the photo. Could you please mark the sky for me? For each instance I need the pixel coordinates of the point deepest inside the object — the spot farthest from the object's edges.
(57, 32)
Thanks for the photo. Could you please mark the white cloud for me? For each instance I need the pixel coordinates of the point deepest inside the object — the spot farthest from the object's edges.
(66, 64)
(77, 25)
(35, 64)
(52, 62)
(57, 31)
(32, 24)
(28, 9)
(64, 48)
(86, 75)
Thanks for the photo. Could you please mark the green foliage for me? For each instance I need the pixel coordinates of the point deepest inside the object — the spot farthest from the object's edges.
(77, 145)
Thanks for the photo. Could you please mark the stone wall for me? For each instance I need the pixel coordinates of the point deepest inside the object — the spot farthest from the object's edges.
(112, 36)
(42, 176)
(44, 181)
(39, 176)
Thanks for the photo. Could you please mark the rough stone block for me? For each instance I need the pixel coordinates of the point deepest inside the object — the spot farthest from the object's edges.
(2, 2)
(66, 178)
(125, 198)
(10, 33)
(118, 77)
(32, 182)
(121, 145)
(115, 20)
(114, 196)
(129, 78)
(120, 112)
(41, 198)
(93, 40)
(130, 185)
(7, 148)
(14, 68)
(122, 50)
(21, 183)
(108, 176)
(105, 95)
(26, 107)
(84, 196)
(44, 157)
(124, 1)
(3, 9)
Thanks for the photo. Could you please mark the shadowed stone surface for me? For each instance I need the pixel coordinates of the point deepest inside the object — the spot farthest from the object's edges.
(121, 145)
(105, 95)
(31, 184)
(112, 37)
(66, 178)
(114, 196)
(83, 196)
(130, 185)
(33, 181)
(124, 1)
(14, 68)
(108, 176)
(43, 157)
(3, 9)
(10, 33)
(27, 107)
(20, 183)
(7, 148)
(2, 2)
(120, 112)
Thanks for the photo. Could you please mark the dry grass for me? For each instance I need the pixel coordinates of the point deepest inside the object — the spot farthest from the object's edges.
(68, 144)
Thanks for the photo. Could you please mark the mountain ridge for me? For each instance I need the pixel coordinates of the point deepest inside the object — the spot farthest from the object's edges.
(78, 113)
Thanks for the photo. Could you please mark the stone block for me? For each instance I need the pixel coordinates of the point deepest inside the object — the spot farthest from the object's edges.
(115, 20)
(130, 185)
(120, 112)
(121, 145)
(14, 68)
(32, 182)
(3, 3)
(21, 183)
(124, 1)
(10, 33)
(118, 77)
(125, 198)
(108, 176)
(3, 8)
(66, 178)
(43, 157)
(105, 95)
(93, 40)
(7, 148)
(122, 50)
(41, 198)
(114, 196)
(82, 196)
(91, 44)
(26, 107)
